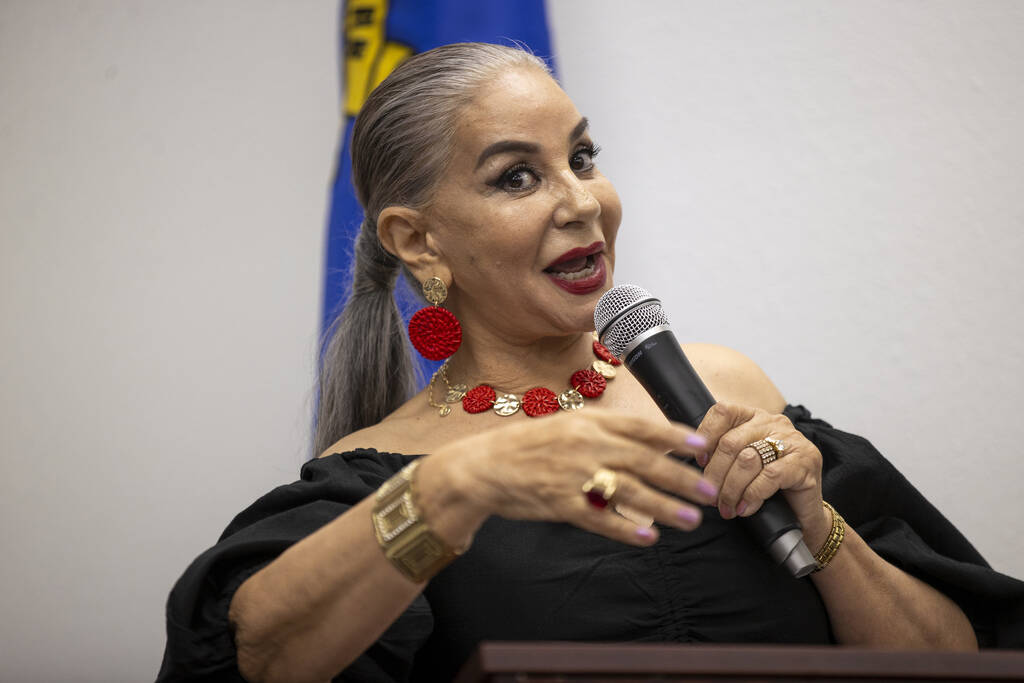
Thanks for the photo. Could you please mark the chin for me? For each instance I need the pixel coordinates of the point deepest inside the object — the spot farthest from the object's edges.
(582, 317)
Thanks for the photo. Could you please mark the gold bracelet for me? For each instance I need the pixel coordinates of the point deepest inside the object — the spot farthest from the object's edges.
(403, 535)
(835, 538)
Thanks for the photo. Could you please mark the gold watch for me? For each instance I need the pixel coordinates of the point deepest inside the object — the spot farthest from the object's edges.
(405, 538)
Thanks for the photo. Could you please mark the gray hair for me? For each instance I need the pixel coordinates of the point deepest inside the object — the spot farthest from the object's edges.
(401, 144)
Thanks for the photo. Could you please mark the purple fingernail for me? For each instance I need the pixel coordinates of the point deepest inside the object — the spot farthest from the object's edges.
(645, 533)
(702, 459)
(707, 488)
(688, 515)
(741, 508)
(696, 440)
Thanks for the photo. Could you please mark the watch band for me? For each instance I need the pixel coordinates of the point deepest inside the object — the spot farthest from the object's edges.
(405, 538)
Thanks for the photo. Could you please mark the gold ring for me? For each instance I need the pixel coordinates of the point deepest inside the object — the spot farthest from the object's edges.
(770, 450)
(600, 488)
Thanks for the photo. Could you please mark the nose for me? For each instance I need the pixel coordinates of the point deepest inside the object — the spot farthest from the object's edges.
(576, 204)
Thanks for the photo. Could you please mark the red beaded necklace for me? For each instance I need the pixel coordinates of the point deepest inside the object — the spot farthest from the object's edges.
(588, 382)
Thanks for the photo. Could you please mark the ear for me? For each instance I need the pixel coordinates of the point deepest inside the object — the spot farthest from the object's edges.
(403, 232)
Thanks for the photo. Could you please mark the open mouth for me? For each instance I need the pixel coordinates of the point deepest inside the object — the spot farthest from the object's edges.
(580, 271)
(574, 269)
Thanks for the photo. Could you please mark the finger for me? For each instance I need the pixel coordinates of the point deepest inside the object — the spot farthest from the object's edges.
(659, 435)
(745, 468)
(641, 498)
(735, 464)
(731, 449)
(763, 487)
(660, 470)
(796, 470)
(719, 420)
(613, 526)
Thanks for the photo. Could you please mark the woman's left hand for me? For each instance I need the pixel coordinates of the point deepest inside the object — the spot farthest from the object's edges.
(744, 483)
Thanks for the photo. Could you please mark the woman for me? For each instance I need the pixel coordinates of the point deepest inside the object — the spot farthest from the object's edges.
(475, 169)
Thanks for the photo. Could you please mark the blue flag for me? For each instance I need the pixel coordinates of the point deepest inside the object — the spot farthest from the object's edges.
(377, 36)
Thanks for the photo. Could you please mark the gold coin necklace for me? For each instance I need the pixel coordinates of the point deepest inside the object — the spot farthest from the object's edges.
(588, 382)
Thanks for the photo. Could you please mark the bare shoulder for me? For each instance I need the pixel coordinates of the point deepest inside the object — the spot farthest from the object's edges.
(406, 431)
(733, 377)
(370, 437)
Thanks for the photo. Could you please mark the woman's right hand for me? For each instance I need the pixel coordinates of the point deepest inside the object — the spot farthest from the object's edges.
(536, 470)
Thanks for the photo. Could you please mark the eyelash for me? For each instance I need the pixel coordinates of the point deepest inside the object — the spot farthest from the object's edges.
(502, 182)
(590, 150)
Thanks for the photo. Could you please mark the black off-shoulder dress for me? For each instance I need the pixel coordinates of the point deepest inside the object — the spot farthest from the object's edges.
(551, 581)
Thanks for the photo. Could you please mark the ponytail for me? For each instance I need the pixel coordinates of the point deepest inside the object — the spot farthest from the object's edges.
(366, 369)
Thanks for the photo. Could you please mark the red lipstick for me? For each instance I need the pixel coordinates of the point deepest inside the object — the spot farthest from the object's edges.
(583, 269)
(578, 252)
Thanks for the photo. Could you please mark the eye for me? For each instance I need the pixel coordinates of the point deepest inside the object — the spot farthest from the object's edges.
(582, 160)
(517, 179)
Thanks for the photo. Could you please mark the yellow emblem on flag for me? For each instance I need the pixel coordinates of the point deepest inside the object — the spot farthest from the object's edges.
(369, 58)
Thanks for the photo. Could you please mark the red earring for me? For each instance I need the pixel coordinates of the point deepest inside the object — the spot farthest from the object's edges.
(434, 331)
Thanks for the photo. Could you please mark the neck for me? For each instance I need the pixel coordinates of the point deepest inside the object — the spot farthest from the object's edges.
(517, 366)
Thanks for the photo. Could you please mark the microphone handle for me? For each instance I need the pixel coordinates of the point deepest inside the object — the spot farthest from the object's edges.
(657, 360)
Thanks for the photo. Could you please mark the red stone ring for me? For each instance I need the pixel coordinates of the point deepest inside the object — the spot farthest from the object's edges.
(600, 488)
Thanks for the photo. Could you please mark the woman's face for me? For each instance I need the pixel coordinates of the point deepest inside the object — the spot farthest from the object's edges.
(522, 216)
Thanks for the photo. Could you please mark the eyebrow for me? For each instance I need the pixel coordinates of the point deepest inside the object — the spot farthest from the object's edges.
(522, 146)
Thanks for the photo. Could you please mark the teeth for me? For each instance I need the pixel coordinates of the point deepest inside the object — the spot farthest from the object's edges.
(579, 274)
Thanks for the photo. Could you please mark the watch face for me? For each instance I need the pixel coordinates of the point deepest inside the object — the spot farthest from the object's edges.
(395, 518)
(424, 556)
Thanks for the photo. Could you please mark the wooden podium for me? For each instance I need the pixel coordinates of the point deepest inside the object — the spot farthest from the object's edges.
(529, 662)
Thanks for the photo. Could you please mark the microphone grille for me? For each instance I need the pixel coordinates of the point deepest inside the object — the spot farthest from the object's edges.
(624, 313)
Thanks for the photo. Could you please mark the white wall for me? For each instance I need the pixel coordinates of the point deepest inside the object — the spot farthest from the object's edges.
(164, 178)
(831, 188)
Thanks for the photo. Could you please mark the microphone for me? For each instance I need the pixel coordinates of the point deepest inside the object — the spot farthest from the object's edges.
(634, 327)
